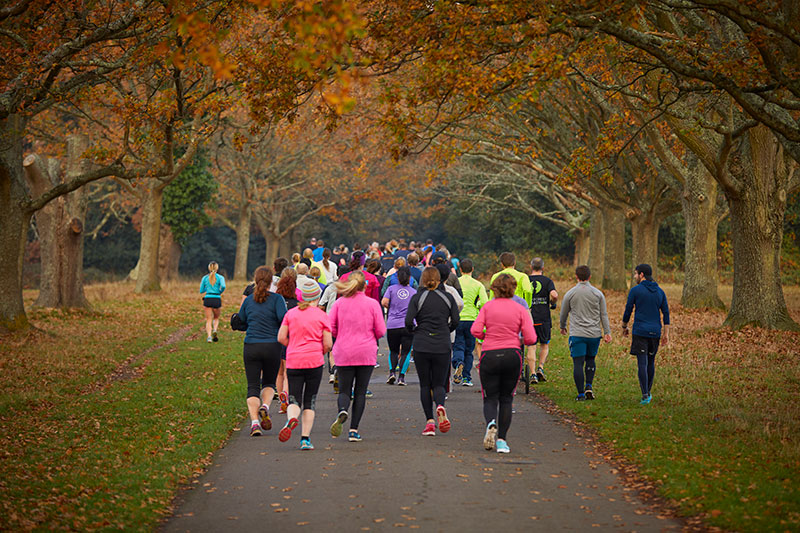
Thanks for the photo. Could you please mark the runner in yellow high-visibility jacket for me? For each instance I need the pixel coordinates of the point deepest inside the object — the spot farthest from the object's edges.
(524, 287)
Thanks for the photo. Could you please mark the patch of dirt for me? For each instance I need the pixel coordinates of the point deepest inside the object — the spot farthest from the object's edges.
(130, 368)
(645, 489)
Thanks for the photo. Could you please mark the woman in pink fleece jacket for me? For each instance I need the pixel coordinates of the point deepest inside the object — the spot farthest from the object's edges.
(500, 323)
(357, 324)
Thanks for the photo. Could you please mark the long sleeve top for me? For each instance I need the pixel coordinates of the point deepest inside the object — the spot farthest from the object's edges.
(357, 323)
(263, 319)
(500, 323)
(474, 297)
(587, 307)
(650, 302)
(215, 290)
(434, 321)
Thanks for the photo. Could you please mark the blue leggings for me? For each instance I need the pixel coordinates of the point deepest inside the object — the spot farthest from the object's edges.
(647, 371)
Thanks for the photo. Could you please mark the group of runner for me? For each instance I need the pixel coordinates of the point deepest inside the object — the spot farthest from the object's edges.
(431, 309)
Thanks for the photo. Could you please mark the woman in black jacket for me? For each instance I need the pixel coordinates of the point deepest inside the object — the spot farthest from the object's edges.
(432, 314)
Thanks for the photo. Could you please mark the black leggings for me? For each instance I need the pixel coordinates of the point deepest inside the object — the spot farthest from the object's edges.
(262, 361)
(304, 383)
(647, 371)
(360, 374)
(499, 371)
(579, 365)
(399, 340)
(432, 369)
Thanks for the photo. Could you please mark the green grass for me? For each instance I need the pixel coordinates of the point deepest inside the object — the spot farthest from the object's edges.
(722, 435)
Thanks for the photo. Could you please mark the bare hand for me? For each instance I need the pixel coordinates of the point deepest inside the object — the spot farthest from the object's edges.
(607, 337)
(563, 331)
(625, 332)
(665, 340)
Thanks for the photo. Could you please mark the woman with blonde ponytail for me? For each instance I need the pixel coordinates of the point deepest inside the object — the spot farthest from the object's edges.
(262, 312)
(211, 287)
(357, 324)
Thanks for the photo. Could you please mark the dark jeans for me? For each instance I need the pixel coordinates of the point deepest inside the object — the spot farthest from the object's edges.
(304, 384)
(432, 369)
(262, 361)
(463, 348)
(347, 375)
(499, 371)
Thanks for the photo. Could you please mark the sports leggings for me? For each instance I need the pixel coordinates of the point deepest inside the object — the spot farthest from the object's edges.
(304, 384)
(499, 371)
(399, 340)
(360, 374)
(432, 370)
(579, 365)
(647, 371)
(262, 361)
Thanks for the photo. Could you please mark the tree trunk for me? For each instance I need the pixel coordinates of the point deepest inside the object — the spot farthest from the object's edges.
(285, 248)
(169, 254)
(14, 222)
(273, 242)
(614, 277)
(60, 224)
(242, 242)
(757, 211)
(582, 246)
(597, 241)
(147, 279)
(645, 239)
(702, 216)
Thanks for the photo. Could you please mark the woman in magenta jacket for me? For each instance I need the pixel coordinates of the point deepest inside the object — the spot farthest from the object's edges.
(499, 324)
(357, 324)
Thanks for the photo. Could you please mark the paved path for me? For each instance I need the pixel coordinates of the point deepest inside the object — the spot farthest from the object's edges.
(396, 478)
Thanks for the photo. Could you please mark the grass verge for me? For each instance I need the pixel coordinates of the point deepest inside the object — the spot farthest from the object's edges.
(722, 435)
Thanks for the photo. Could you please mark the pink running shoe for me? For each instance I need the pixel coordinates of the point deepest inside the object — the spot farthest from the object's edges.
(444, 423)
(286, 432)
(430, 430)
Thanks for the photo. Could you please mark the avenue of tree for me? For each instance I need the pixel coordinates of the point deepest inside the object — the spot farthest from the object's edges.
(587, 115)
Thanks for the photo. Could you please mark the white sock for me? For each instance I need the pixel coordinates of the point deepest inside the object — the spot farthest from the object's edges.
(265, 406)
(255, 423)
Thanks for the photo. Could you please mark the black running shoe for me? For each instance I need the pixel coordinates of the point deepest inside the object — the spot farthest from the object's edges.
(540, 375)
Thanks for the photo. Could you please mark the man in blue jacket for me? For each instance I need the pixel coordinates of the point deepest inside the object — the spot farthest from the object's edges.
(650, 302)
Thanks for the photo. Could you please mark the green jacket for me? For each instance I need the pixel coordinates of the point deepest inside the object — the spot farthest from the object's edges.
(524, 287)
(474, 297)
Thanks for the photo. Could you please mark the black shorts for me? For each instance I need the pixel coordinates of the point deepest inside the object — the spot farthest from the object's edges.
(212, 302)
(644, 345)
(543, 332)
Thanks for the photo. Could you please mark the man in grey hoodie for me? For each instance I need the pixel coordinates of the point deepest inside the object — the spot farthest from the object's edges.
(589, 321)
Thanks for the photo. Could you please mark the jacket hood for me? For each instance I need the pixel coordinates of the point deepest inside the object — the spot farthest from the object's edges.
(651, 286)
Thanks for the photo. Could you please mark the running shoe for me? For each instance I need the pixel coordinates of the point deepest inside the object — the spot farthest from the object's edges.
(502, 446)
(467, 383)
(336, 427)
(354, 436)
(377, 365)
(401, 381)
(284, 398)
(589, 393)
(305, 444)
(330, 378)
(369, 394)
(646, 399)
(444, 422)
(210, 339)
(458, 373)
(490, 437)
(214, 336)
(540, 375)
(263, 417)
(391, 379)
(255, 429)
(534, 380)
(580, 398)
(286, 433)
(430, 430)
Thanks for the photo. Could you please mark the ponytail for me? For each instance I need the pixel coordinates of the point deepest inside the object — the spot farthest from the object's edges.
(212, 268)
(263, 278)
(326, 253)
(355, 282)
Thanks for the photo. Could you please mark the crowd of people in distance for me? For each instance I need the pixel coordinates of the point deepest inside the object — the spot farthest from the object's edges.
(327, 309)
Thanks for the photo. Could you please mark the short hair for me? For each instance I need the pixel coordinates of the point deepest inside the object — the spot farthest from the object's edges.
(583, 272)
(430, 278)
(504, 286)
(444, 270)
(537, 264)
(399, 262)
(403, 275)
(645, 269)
(308, 253)
(302, 269)
(320, 243)
(508, 259)
(279, 264)
(467, 266)
(413, 259)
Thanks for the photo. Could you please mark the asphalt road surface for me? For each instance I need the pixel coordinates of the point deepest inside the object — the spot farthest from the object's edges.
(396, 478)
